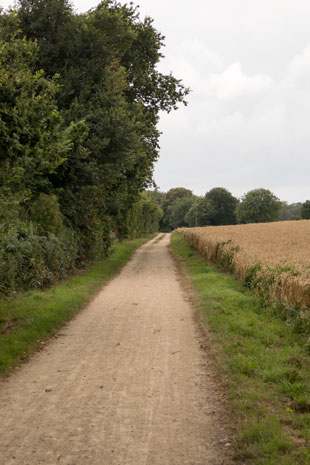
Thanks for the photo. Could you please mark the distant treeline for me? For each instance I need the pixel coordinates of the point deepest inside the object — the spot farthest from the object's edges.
(219, 207)
(80, 96)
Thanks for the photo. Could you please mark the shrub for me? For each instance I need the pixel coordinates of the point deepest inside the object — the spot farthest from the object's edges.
(29, 260)
(46, 213)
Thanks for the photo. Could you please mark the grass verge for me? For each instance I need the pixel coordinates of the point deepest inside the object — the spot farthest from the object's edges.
(263, 361)
(27, 321)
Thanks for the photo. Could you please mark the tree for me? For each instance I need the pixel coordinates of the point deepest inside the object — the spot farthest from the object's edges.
(178, 211)
(80, 97)
(290, 211)
(144, 217)
(34, 140)
(157, 196)
(176, 193)
(305, 210)
(258, 206)
(201, 212)
(107, 61)
(224, 206)
(171, 198)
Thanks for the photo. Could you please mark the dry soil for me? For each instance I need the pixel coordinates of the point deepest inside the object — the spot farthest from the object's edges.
(127, 382)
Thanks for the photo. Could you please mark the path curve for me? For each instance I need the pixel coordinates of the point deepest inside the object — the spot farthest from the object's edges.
(125, 383)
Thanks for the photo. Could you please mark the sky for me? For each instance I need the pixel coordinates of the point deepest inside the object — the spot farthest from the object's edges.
(247, 123)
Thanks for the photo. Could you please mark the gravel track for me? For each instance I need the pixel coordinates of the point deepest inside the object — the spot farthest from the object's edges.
(126, 382)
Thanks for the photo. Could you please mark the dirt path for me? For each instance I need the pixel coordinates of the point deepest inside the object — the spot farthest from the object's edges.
(125, 383)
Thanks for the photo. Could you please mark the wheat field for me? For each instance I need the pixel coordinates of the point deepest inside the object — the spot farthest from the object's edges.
(271, 258)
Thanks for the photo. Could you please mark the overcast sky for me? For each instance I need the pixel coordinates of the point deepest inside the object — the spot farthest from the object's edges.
(247, 124)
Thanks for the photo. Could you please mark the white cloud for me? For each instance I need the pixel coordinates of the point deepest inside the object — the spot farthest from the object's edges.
(193, 61)
(233, 83)
(249, 130)
(299, 66)
(198, 51)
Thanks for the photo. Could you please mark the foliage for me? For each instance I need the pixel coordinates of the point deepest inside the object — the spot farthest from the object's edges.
(258, 206)
(46, 214)
(224, 206)
(107, 59)
(171, 202)
(182, 208)
(33, 140)
(201, 212)
(178, 211)
(29, 260)
(305, 210)
(80, 96)
(174, 194)
(157, 196)
(289, 211)
(142, 219)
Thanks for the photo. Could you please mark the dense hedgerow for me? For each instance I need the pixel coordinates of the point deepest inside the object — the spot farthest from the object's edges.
(29, 260)
(80, 96)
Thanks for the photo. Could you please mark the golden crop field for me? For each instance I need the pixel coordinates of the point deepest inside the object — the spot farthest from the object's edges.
(272, 258)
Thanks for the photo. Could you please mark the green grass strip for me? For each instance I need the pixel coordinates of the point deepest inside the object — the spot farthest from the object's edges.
(28, 320)
(264, 363)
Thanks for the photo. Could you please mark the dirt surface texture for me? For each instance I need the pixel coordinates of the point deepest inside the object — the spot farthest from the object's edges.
(126, 382)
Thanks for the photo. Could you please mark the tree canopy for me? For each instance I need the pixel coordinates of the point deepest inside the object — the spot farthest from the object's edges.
(201, 212)
(224, 204)
(258, 206)
(34, 141)
(107, 61)
(80, 96)
(175, 204)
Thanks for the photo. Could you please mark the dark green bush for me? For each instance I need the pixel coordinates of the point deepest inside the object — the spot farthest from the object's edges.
(29, 260)
(46, 213)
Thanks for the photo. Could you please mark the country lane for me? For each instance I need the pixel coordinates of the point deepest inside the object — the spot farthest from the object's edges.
(126, 382)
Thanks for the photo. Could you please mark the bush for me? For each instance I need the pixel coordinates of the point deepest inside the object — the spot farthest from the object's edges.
(46, 213)
(28, 260)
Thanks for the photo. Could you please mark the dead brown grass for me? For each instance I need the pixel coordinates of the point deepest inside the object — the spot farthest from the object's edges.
(271, 258)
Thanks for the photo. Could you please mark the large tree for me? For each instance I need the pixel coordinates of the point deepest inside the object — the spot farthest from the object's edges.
(107, 61)
(258, 206)
(80, 96)
(171, 201)
(35, 139)
(224, 206)
(179, 210)
(201, 212)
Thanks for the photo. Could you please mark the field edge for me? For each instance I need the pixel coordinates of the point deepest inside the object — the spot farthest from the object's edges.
(262, 362)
